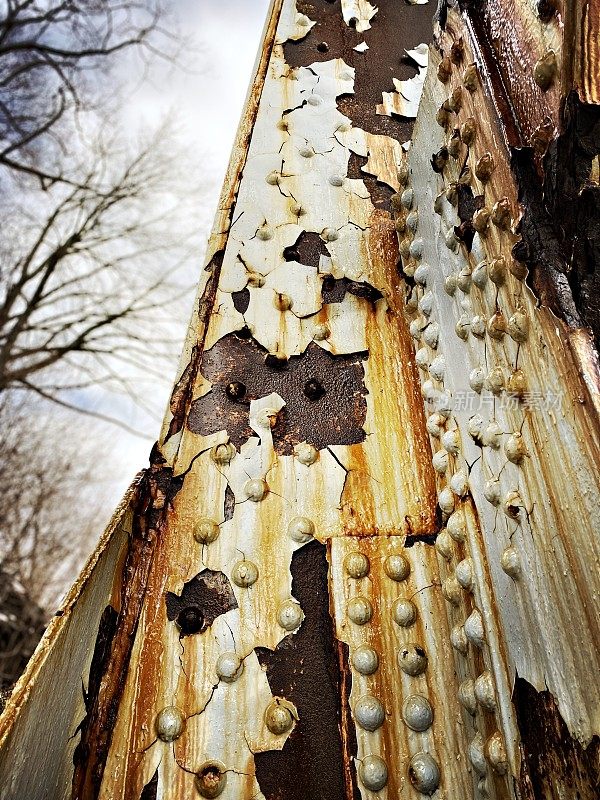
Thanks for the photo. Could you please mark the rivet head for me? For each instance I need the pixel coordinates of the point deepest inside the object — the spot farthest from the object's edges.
(516, 385)
(496, 753)
(446, 500)
(474, 628)
(369, 713)
(451, 441)
(417, 713)
(404, 613)
(396, 567)
(437, 368)
(501, 213)
(477, 379)
(497, 326)
(169, 724)
(468, 130)
(400, 225)
(484, 167)
(321, 332)
(235, 390)
(306, 151)
(491, 491)
(456, 526)
(451, 591)
(495, 380)
(278, 718)
(424, 773)
(365, 660)
(256, 490)
(512, 504)
(313, 389)
(444, 69)
(282, 302)
(301, 529)
(406, 198)
(454, 102)
(545, 70)
(452, 193)
(330, 234)
(431, 334)
(434, 424)
(466, 696)
(421, 274)
(306, 453)
(484, 691)
(470, 78)
(359, 610)
(229, 667)
(455, 145)
(273, 178)
(444, 546)
(264, 233)
(518, 326)
(403, 174)
(464, 574)
(442, 117)
(412, 221)
(459, 483)
(290, 615)
(415, 248)
(211, 779)
(206, 530)
(480, 275)
(412, 659)
(463, 280)
(223, 453)
(515, 449)
(477, 756)
(481, 220)
(315, 100)
(450, 284)
(440, 461)
(373, 773)
(244, 574)
(511, 562)
(190, 620)
(336, 180)
(463, 327)
(357, 565)
(497, 271)
(458, 640)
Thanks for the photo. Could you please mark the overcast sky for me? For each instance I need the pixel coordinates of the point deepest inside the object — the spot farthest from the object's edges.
(207, 102)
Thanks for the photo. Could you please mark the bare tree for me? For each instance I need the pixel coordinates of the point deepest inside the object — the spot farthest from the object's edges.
(95, 230)
(53, 508)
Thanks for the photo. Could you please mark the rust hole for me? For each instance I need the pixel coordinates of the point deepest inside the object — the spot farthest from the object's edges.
(203, 598)
(235, 390)
(323, 47)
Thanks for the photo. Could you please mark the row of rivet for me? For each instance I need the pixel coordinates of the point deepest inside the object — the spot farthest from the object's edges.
(369, 713)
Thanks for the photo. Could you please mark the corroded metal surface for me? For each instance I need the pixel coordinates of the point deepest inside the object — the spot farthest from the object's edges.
(363, 562)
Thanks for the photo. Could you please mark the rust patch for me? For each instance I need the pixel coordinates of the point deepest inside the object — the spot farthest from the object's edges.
(335, 417)
(208, 595)
(106, 632)
(316, 761)
(333, 290)
(554, 765)
(380, 193)
(307, 249)
(396, 26)
(153, 497)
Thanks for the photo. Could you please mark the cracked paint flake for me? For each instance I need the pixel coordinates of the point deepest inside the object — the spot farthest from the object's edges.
(405, 100)
(358, 14)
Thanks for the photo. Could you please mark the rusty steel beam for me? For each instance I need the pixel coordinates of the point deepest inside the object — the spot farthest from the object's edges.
(364, 560)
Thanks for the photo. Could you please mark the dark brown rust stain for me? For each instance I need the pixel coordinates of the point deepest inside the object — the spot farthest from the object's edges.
(396, 27)
(333, 290)
(182, 393)
(150, 790)
(554, 765)
(154, 495)
(336, 417)
(573, 204)
(316, 761)
(540, 248)
(209, 593)
(241, 300)
(106, 632)
(307, 249)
